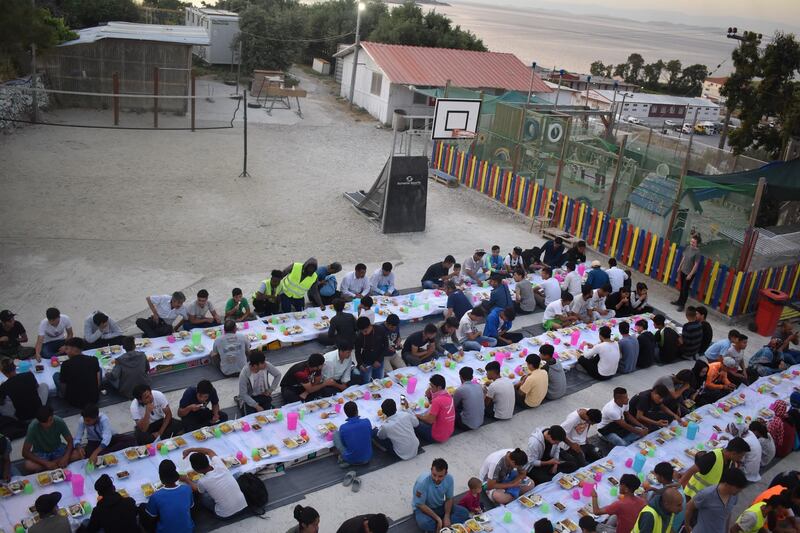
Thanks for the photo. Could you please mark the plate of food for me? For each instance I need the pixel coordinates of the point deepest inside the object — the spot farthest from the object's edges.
(5, 492)
(123, 493)
(677, 464)
(193, 476)
(225, 427)
(75, 510)
(567, 526)
(180, 442)
(272, 450)
(148, 490)
(58, 475)
(766, 413)
(530, 501)
(567, 481)
(560, 507)
(186, 350)
(199, 348)
(123, 474)
(691, 452)
(586, 510)
(459, 528)
(106, 460)
(131, 454)
(256, 427)
(199, 435)
(290, 443)
(473, 525)
(44, 479)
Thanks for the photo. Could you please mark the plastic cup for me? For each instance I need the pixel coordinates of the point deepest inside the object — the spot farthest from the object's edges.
(279, 415)
(412, 385)
(217, 432)
(576, 494)
(291, 421)
(19, 529)
(67, 474)
(421, 402)
(629, 462)
(245, 426)
(337, 407)
(545, 508)
(598, 476)
(28, 489)
(197, 337)
(164, 450)
(329, 436)
(508, 517)
(87, 507)
(588, 488)
(614, 491)
(303, 433)
(255, 454)
(240, 455)
(151, 450)
(302, 413)
(367, 395)
(651, 452)
(77, 485)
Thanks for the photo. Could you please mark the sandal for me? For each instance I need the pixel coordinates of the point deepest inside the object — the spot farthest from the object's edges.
(349, 478)
(356, 485)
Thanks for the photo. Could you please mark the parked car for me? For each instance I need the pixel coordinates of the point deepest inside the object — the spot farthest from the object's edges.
(670, 123)
(686, 128)
(634, 120)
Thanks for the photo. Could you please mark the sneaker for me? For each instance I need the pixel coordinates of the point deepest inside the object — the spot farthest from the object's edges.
(680, 308)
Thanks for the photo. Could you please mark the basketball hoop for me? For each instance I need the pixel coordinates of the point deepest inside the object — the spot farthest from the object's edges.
(462, 134)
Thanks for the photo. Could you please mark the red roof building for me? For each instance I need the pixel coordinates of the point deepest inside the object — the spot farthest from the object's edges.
(388, 73)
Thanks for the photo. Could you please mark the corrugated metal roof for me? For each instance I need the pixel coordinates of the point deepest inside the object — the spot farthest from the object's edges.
(190, 35)
(432, 67)
(647, 98)
(655, 194)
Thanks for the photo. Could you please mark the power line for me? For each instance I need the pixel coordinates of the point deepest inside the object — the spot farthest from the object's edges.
(320, 39)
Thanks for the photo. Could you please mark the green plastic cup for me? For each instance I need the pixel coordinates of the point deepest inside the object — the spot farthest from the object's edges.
(508, 517)
(20, 529)
(651, 452)
(217, 432)
(87, 507)
(614, 491)
(545, 508)
(165, 451)
(89, 466)
(701, 446)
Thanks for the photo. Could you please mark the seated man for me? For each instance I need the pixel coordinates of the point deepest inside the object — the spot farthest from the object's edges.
(500, 296)
(556, 376)
(577, 425)
(327, 285)
(469, 401)
(666, 341)
(113, 512)
(765, 362)
(339, 366)
(786, 333)
(691, 338)
(53, 331)
(558, 314)
(194, 407)
(544, 448)
(738, 375)
(468, 334)
(628, 349)
(172, 505)
(532, 387)
(597, 277)
(355, 284)
(596, 305)
(382, 281)
(500, 394)
(372, 345)
(717, 350)
(548, 290)
(50, 519)
(130, 369)
(151, 415)
(680, 387)
(164, 309)
(13, 336)
(576, 254)
(475, 267)
(353, 439)
(496, 263)
(717, 384)
(48, 443)
(218, 490)
(396, 433)
(616, 276)
(394, 356)
(255, 388)
(620, 302)
(201, 313)
(303, 381)
(100, 436)
(572, 281)
(601, 360)
(649, 409)
(26, 394)
(438, 424)
(432, 503)
(524, 297)
(639, 299)
(438, 273)
(647, 344)
(230, 350)
(99, 330)
(553, 252)
(79, 379)
(457, 303)
(267, 298)
(446, 340)
(420, 346)
(618, 425)
(237, 308)
(514, 260)
(626, 509)
(504, 476)
(580, 304)
(498, 324)
(342, 325)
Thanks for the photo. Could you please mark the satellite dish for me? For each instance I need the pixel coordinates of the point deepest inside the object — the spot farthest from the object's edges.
(662, 170)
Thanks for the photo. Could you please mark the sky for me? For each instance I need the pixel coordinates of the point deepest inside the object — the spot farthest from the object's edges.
(764, 16)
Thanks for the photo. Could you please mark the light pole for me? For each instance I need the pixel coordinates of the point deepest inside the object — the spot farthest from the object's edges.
(613, 122)
(588, 82)
(558, 91)
(361, 7)
(533, 77)
(733, 33)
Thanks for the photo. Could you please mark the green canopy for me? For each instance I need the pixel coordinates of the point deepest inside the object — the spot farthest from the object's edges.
(783, 182)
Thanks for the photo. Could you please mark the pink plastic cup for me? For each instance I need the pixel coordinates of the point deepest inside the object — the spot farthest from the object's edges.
(367, 395)
(556, 341)
(598, 476)
(594, 327)
(246, 325)
(67, 474)
(337, 407)
(588, 488)
(291, 421)
(151, 450)
(245, 426)
(582, 269)
(412, 385)
(77, 485)
(576, 494)
(575, 337)
(170, 338)
(329, 436)
(629, 462)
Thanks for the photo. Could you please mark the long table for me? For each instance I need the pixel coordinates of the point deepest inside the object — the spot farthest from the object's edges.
(243, 436)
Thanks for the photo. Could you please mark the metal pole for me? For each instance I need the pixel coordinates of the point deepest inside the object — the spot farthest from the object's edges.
(565, 142)
(747, 245)
(115, 85)
(613, 111)
(244, 173)
(357, 45)
(617, 170)
(684, 170)
(238, 68)
(533, 78)
(194, 78)
(647, 148)
(155, 100)
(621, 105)
(558, 91)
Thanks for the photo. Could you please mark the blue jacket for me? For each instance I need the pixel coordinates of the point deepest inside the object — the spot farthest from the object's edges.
(493, 325)
(500, 297)
(597, 278)
(765, 362)
(356, 435)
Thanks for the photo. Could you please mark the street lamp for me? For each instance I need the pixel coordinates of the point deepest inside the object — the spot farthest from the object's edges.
(558, 91)
(588, 82)
(361, 7)
(533, 77)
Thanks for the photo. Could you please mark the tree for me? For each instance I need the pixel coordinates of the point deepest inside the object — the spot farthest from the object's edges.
(271, 39)
(88, 13)
(597, 68)
(674, 69)
(692, 78)
(621, 70)
(635, 64)
(652, 74)
(739, 90)
(23, 25)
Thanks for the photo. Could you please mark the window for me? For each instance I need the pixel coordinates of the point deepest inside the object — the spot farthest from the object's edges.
(377, 83)
(420, 99)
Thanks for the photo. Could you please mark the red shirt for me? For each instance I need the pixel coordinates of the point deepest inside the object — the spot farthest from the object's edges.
(443, 409)
(470, 502)
(627, 510)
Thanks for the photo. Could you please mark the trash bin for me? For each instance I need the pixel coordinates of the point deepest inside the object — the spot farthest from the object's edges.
(770, 307)
(399, 120)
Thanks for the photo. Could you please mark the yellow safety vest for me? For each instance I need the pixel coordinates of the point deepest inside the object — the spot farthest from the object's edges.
(760, 518)
(700, 481)
(657, 522)
(270, 291)
(291, 284)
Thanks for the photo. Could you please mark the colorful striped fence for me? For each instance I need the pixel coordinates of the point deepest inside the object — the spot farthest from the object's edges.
(718, 286)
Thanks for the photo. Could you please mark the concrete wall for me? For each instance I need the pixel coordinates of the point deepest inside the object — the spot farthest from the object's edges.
(639, 110)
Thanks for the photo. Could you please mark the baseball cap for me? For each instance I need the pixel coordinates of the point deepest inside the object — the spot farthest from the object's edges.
(730, 362)
(6, 315)
(480, 251)
(46, 503)
(596, 263)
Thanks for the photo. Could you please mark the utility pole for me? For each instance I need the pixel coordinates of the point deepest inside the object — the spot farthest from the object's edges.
(684, 171)
(733, 33)
(359, 9)
(558, 91)
(621, 106)
(588, 82)
(533, 78)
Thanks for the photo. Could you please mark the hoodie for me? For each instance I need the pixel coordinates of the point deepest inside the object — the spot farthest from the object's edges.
(130, 369)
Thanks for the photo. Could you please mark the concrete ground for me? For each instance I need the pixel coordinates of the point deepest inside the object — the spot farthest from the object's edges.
(99, 219)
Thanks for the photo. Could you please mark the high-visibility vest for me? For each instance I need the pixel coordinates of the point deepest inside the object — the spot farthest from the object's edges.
(657, 522)
(269, 290)
(700, 481)
(760, 518)
(293, 287)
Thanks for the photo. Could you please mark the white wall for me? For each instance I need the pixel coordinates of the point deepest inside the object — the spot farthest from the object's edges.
(642, 111)
(222, 33)
(376, 105)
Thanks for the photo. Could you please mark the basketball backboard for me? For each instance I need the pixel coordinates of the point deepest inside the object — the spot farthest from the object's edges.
(455, 118)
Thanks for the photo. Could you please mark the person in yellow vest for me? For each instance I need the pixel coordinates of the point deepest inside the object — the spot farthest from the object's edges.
(298, 280)
(711, 508)
(758, 516)
(658, 515)
(709, 467)
(267, 299)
